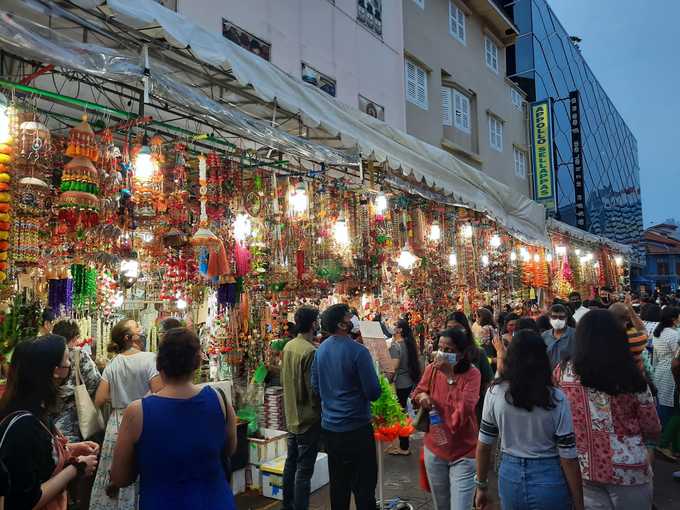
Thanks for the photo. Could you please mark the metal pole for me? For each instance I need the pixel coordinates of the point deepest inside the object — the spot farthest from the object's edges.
(381, 491)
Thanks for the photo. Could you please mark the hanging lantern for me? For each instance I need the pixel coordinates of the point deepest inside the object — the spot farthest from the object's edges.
(453, 259)
(380, 204)
(129, 268)
(406, 258)
(495, 241)
(618, 260)
(145, 164)
(341, 232)
(560, 251)
(299, 201)
(467, 231)
(513, 256)
(435, 231)
(548, 257)
(537, 257)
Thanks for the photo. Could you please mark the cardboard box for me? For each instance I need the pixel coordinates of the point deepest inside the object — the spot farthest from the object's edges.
(238, 481)
(273, 445)
(272, 476)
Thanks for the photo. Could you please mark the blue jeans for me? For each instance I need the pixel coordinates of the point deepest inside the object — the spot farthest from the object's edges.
(299, 468)
(532, 484)
(452, 483)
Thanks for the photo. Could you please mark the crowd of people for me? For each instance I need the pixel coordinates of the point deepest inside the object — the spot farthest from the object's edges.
(569, 405)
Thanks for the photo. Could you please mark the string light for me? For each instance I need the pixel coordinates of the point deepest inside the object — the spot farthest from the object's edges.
(380, 203)
(4, 120)
(561, 251)
(453, 259)
(524, 253)
(341, 232)
(467, 231)
(537, 257)
(495, 241)
(577, 251)
(589, 256)
(243, 227)
(548, 257)
(299, 201)
(618, 260)
(485, 260)
(435, 231)
(406, 259)
(513, 256)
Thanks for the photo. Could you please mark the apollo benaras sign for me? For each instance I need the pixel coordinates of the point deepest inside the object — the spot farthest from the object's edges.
(542, 153)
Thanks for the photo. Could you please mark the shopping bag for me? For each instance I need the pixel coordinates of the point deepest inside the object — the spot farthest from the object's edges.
(90, 419)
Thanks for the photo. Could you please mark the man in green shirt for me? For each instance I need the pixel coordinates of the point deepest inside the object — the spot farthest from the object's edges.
(303, 410)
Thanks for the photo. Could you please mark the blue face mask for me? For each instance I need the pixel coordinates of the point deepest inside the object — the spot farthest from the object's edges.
(450, 357)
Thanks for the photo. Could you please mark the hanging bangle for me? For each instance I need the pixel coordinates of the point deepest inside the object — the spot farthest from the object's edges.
(481, 484)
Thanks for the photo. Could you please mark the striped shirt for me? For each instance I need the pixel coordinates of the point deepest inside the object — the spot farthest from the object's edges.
(536, 434)
(637, 341)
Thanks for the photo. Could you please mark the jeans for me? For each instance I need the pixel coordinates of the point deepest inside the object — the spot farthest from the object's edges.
(665, 413)
(452, 483)
(299, 468)
(402, 395)
(532, 484)
(600, 496)
(353, 467)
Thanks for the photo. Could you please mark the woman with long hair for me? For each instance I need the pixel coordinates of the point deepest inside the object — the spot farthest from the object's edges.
(479, 359)
(666, 342)
(538, 467)
(40, 462)
(449, 390)
(129, 376)
(407, 372)
(488, 333)
(614, 414)
(176, 440)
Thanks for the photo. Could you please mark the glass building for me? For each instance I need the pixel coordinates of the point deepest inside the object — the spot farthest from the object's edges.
(547, 63)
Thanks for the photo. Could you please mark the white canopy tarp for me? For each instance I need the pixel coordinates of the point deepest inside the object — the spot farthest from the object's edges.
(586, 237)
(467, 185)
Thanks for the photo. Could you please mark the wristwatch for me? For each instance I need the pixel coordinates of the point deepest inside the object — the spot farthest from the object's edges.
(481, 484)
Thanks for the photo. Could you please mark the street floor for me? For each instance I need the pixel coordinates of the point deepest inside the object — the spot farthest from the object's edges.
(402, 481)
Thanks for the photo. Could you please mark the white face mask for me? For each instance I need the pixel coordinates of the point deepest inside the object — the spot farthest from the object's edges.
(558, 324)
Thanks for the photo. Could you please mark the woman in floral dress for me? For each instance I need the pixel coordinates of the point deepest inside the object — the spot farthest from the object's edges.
(614, 415)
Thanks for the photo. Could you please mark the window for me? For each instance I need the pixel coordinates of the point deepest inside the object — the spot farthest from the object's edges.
(246, 40)
(491, 53)
(520, 163)
(456, 22)
(496, 133)
(516, 98)
(455, 109)
(416, 84)
(677, 268)
(320, 80)
(369, 14)
(420, 3)
(662, 268)
(373, 109)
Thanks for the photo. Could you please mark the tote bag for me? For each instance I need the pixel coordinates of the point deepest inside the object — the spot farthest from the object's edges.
(90, 419)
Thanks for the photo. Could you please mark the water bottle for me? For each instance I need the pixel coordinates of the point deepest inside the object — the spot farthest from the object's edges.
(437, 431)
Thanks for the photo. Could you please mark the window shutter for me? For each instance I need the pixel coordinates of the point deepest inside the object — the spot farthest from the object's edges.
(411, 81)
(447, 119)
(422, 87)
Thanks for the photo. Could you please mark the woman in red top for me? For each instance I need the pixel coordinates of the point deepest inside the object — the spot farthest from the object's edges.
(449, 389)
(613, 412)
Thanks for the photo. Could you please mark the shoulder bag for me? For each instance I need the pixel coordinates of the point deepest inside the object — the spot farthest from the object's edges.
(422, 421)
(226, 458)
(90, 419)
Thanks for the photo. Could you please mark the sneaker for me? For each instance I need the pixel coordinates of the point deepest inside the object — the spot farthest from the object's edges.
(667, 453)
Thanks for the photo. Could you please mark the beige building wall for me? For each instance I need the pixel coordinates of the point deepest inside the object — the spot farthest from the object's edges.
(462, 67)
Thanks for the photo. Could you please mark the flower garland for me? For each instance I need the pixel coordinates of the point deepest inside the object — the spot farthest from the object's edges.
(389, 419)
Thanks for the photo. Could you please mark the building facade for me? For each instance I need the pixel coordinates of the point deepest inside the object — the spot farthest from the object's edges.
(661, 271)
(547, 63)
(350, 49)
(457, 94)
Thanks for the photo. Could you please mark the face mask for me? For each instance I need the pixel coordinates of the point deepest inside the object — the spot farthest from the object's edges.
(450, 357)
(558, 324)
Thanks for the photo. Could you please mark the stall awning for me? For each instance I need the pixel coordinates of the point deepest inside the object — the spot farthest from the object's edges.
(586, 237)
(439, 169)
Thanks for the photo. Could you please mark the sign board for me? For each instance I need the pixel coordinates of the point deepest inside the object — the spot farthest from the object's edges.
(577, 158)
(375, 341)
(542, 153)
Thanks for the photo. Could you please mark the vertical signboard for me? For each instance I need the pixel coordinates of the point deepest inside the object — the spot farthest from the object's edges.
(577, 158)
(542, 154)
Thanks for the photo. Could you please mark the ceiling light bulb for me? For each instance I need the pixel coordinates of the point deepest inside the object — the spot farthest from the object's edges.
(453, 259)
(181, 304)
(561, 251)
(577, 251)
(549, 257)
(435, 231)
(243, 227)
(495, 241)
(485, 260)
(129, 268)
(406, 259)
(145, 167)
(618, 260)
(513, 256)
(299, 201)
(380, 204)
(341, 232)
(537, 257)
(467, 231)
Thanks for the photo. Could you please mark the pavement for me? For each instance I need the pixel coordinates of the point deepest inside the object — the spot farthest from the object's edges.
(402, 481)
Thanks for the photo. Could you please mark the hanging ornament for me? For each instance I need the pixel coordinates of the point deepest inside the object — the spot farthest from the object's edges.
(82, 142)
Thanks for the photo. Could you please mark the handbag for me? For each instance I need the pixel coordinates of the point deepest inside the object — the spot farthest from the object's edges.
(226, 458)
(422, 421)
(90, 420)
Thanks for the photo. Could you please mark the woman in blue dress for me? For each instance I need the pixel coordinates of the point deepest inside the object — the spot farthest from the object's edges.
(175, 440)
